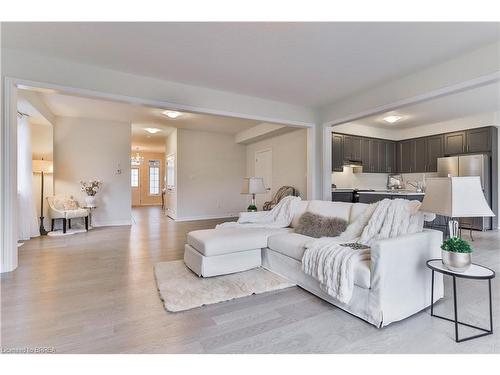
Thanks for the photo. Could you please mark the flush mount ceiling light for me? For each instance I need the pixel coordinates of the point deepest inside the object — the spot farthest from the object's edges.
(172, 114)
(152, 130)
(392, 119)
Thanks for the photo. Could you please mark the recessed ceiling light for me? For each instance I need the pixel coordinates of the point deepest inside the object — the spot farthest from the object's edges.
(392, 119)
(172, 114)
(152, 130)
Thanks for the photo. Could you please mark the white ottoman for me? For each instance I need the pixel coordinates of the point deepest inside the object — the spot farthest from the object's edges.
(213, 252)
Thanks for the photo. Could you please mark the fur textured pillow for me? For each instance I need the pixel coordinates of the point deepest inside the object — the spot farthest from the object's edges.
(314, 225)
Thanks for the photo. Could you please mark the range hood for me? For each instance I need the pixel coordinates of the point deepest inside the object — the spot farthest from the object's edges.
(356, 165)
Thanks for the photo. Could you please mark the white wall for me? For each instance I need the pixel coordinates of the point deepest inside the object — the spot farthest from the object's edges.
(87, 148)
(42, 137)
(210, 170)
(289, 161)
(171, 196)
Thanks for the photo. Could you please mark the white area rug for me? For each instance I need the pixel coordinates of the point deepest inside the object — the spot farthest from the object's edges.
(181, 289)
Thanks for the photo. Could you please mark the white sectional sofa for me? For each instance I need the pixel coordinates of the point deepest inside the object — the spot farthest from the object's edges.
(393, 285)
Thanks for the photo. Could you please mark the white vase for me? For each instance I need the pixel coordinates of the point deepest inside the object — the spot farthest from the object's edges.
(90, 201)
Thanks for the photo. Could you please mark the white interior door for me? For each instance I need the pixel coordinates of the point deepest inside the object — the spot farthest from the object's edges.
(264, 169)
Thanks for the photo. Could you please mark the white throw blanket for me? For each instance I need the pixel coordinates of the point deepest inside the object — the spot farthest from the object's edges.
(279, 217)
(333, 265)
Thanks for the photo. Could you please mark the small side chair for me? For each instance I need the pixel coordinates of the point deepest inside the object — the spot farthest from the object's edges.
(66, 208)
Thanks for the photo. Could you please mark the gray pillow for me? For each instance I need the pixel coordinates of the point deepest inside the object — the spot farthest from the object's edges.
(317, 226)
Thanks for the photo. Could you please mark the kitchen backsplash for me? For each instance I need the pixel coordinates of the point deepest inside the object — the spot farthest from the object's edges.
(377, 181)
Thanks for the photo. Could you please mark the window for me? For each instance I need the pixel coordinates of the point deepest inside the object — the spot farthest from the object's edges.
(134, 177)
(154, 177)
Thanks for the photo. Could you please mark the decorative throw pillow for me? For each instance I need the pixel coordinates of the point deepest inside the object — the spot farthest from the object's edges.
(58, 203)
(314, 225)
(70, 204)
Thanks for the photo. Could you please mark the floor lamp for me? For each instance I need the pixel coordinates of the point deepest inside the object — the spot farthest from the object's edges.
(43, 167)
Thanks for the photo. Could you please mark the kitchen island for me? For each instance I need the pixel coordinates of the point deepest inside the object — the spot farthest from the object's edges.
(378, 195)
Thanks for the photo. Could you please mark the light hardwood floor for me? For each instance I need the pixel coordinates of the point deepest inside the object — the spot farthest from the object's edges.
(95, 293)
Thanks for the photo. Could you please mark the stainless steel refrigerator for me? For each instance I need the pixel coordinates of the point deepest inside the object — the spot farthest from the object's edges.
(469, 165)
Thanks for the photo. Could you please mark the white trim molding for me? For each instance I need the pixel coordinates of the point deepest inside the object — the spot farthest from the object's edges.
(8, 196)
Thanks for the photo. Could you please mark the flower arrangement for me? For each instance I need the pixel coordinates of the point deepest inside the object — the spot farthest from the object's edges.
(456, 245)
(90, 187)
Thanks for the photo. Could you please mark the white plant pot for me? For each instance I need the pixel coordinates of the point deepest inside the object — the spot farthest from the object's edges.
(90, 201)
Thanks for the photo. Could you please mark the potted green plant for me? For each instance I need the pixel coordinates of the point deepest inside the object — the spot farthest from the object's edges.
(456, 254)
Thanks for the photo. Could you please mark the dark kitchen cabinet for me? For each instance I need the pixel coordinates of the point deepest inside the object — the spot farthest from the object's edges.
(455, 143)
(406, 156)
(374, 156)
(375, 197)
(342, 196)
(352, 148)
(365, 154)
(390, 157)
(337, 153)
(434, 151)
(372, 198)
(420, 155)
(479, 140)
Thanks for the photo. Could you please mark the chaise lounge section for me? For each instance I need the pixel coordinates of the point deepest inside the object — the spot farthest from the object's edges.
(392, 285)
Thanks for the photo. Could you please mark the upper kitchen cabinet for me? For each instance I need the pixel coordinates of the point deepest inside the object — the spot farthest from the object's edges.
(479, 140)
(352, 148)
(420, 155)
(434, 151)
(365, 154)
(390, 158)
(406, 156)
(374, 155)
(337, 152)
(455, 143)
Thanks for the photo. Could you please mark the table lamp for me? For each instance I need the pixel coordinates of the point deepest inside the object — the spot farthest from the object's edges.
(43, 167)
(455, 197)
(253, 185)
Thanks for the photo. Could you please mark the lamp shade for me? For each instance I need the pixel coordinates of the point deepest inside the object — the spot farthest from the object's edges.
(253, 185)
(45, 166)
(455, 197)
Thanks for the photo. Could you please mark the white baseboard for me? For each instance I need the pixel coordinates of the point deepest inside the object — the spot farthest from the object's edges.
(111, 223)
(207, 217)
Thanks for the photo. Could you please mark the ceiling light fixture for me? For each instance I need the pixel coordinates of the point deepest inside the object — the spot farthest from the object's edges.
(152, 130)
(392, 119)
(172, 114)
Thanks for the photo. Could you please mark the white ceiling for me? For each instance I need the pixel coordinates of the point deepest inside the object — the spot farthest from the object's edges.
(141, 117)
(303, 63)
(466, 103)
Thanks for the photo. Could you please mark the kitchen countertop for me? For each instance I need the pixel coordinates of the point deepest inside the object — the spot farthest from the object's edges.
(376, 191)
